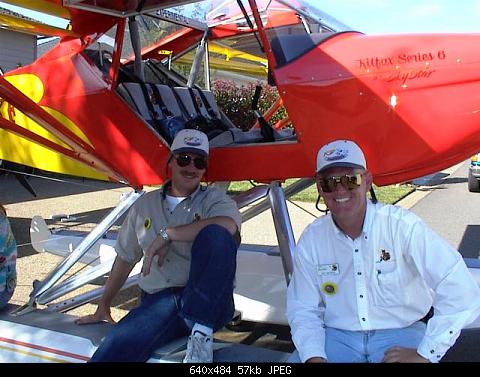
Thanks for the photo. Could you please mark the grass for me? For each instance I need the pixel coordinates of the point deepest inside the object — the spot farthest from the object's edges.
(386, 194)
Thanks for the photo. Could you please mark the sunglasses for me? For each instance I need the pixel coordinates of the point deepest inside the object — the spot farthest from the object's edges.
(185, 160)
(349, 182)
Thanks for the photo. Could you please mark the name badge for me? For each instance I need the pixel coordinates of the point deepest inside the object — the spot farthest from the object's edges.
(328, 269)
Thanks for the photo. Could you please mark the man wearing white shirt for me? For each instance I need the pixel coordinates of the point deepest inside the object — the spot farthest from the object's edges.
(365, 276)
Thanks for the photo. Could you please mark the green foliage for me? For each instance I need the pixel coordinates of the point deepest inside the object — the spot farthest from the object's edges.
(184, 70)
(386, 194)
(393, 193)
(236, 101)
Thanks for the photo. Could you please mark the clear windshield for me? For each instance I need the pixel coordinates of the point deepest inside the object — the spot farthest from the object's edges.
(214, 11)
(298, 26)
(308, 10)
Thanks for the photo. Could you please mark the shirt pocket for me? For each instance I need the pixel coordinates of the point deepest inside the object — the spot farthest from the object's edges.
(389, 291)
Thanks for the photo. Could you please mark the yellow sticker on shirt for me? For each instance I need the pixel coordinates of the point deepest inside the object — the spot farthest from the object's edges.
(148, 223)
(329, 288)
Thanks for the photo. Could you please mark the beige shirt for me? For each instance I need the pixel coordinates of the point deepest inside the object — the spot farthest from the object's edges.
(149, 214)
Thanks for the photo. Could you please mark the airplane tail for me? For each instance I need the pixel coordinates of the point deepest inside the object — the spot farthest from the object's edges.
(63, 242)
(39, 233)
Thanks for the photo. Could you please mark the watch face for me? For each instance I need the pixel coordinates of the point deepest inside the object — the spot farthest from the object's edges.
(163, 233)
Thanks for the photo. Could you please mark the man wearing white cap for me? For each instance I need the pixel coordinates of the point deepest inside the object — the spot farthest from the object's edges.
(188, 235)
(365, 276)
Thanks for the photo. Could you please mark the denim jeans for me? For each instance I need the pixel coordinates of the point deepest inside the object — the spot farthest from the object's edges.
(166, 315)
(342, 346)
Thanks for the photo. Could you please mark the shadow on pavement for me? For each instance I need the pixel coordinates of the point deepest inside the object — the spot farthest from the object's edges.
(47, 187)
(470, 244)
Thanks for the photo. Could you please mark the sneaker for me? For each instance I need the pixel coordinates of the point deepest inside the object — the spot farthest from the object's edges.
(199, 348)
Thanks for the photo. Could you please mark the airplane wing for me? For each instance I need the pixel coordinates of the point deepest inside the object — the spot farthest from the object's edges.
(32, 27)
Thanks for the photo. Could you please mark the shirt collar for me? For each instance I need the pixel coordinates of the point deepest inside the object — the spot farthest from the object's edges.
(168, 184)
(367, 222)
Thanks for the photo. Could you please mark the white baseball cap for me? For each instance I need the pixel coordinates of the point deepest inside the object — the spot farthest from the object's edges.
(343, 153)
(188, 140)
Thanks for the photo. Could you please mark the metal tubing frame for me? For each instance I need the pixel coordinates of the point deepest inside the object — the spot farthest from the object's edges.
(283, 227)
(41, 289)
(137, 48)
(207, 67)
(199, 56)
(87, 297)
(262, 206)
(117, 52)
(76, 281)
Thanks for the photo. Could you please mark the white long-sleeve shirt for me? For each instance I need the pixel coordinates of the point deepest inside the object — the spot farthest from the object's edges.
(386, 278)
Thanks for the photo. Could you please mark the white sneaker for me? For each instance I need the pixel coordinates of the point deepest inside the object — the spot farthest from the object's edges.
(199, 348)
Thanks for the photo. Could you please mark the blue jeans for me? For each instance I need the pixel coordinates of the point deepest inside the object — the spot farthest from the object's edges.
(342, 346)
(163, 316)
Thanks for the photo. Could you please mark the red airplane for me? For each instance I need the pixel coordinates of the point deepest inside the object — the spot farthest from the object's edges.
(409, 100)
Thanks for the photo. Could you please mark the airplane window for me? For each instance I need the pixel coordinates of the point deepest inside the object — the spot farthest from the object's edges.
(293, 42)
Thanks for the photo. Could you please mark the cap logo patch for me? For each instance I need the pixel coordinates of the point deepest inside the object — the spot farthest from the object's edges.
(192, 141)
(335, 154)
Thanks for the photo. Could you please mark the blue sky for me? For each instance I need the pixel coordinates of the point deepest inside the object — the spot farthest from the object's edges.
(384, 16)
(405, 16)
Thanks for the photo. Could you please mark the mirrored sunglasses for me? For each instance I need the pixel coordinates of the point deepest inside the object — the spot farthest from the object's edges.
(185, 160)
(348, 181)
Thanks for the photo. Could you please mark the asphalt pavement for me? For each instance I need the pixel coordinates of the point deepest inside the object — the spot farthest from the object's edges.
(453, 212)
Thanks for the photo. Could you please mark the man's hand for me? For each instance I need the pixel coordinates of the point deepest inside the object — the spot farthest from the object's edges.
(398, 354)
(101, 315)
(159, 248)
(316, 360)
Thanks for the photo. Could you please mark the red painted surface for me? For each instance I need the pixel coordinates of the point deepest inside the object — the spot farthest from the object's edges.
(347, 89)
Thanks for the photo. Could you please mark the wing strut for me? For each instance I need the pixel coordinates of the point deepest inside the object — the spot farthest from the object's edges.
(42, 289)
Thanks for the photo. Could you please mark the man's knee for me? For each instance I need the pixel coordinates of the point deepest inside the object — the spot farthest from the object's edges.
(214, 229)
(214, 234)
(215, 241)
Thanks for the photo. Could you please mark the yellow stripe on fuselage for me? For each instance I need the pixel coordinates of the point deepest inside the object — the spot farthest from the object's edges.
(36, 355)
(17, 149)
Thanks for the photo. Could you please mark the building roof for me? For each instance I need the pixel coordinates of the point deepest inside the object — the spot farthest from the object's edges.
(9, 12)
(44, 47)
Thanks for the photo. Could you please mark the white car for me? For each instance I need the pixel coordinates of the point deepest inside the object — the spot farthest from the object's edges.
(474, 174)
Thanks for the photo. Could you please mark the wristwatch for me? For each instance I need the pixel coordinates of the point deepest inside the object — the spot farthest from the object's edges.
(163, 233)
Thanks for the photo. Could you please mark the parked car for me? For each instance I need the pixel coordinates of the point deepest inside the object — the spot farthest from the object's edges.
(474, 174)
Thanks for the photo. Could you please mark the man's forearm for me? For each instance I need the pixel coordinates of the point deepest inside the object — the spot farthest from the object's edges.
(188, 232)
(115, 281)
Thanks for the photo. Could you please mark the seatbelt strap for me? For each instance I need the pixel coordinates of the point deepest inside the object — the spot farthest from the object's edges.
(146, 96)
(194, 100)
(209, 108)
(183, 109)
(158, 97)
